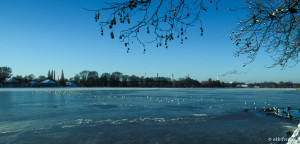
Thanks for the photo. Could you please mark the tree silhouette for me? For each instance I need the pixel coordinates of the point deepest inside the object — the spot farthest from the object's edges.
(41, 78)
(272, 25)
(92, 78)
(125, 79)
(49, 75)
(104, 79)
(29, 78)
(5, 72)
(115, 79)
(62, 78)
(83, 77)
(163, 20)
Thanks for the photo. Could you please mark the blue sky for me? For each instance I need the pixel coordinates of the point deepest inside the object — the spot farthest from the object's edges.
(38, 35)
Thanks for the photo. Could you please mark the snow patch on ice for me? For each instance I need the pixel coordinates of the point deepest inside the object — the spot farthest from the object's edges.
(200, 115)
(295, 138)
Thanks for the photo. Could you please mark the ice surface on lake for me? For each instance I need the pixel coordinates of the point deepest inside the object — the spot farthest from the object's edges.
(142, 115)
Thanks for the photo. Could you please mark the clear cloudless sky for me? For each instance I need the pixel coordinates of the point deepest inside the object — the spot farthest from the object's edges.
(38, 35)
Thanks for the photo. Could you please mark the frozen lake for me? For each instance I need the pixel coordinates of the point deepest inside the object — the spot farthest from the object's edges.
(142, 115)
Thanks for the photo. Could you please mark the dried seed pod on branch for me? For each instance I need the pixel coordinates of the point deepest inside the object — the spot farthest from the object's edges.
(146, 21)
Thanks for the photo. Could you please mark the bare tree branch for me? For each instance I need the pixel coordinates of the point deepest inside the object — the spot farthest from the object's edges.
(272, 25)
(163, 20)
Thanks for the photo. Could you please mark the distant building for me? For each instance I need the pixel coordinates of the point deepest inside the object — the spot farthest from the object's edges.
(70, 84)
(236, 84)
(10, 82)
(34, 84)
(242, 86)
(48, 83)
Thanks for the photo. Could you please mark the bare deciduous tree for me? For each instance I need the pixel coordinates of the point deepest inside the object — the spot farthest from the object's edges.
(273, 26)
(163, 20)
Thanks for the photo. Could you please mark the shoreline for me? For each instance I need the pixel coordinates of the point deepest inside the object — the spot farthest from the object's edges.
(297, 89)
(129, 88)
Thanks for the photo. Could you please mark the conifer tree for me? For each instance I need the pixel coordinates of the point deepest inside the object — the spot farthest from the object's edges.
(48, 74)
(52, 74)
(62, 80)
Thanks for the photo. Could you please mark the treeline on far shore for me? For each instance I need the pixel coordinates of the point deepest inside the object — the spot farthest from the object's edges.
(118, 79)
